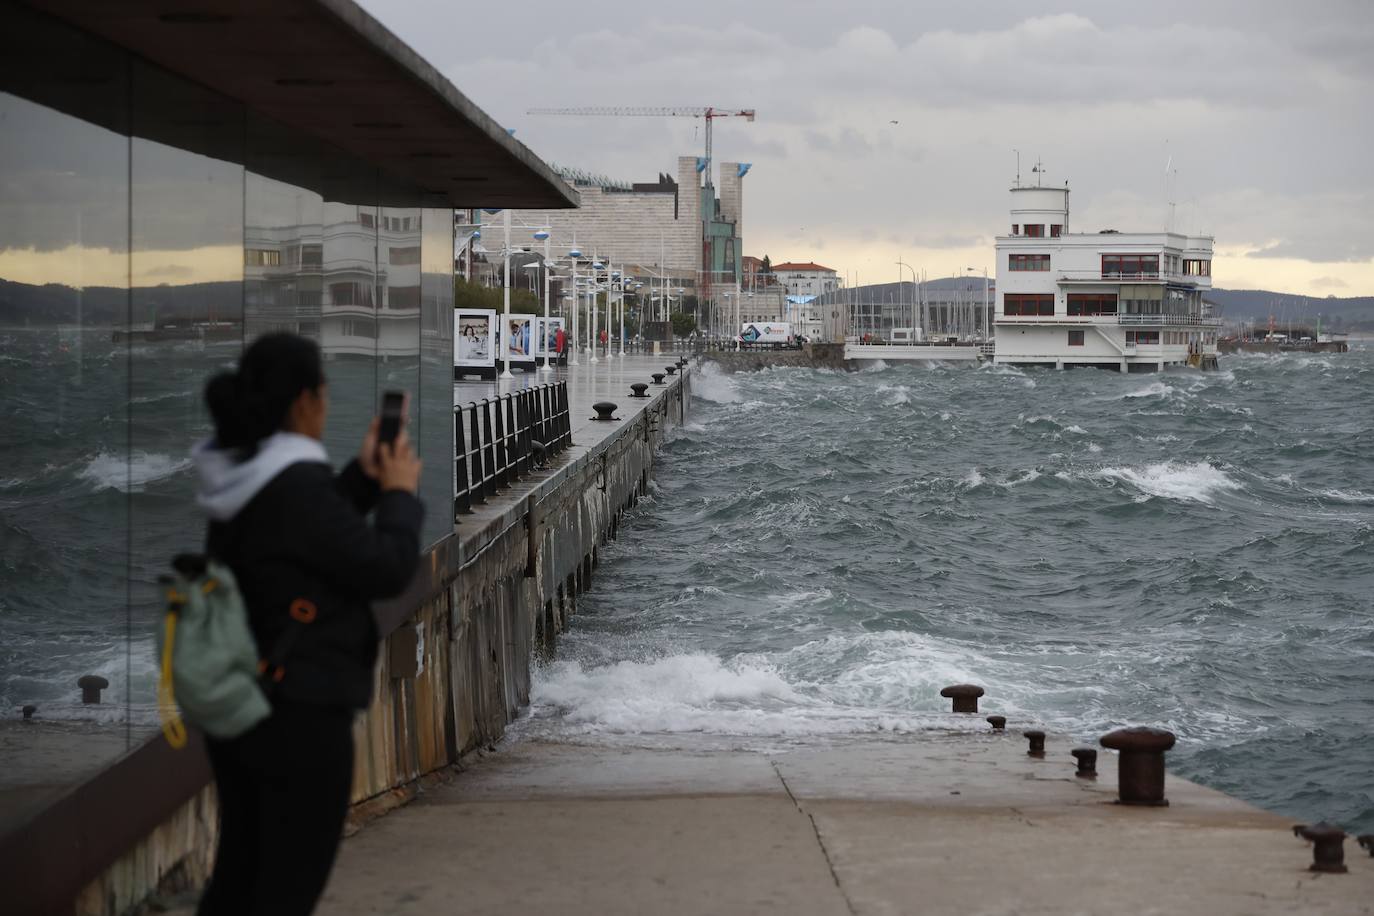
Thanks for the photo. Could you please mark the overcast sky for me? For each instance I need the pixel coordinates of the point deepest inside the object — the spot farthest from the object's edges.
(1262, 111)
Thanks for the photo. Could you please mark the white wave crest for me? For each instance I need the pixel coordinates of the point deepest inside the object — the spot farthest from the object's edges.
(1196, 482)
(711, 384)
(1152, 390)
(108, 471)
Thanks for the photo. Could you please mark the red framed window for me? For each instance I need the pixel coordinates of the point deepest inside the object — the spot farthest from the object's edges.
(1076, 338)
(1028, 262)
(1056, 230)
(1036, 304)
(1092, 304)
(1130, 265)
(1035, 231)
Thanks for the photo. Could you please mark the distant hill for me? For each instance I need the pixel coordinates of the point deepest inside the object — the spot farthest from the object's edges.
(1353, 313)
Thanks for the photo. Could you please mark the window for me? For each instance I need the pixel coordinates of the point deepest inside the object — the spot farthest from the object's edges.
(1197, 267)
(366, 219)
(1029, 262)
(1056, 229)
(403, 297)
(360, 327)
(259, 257)
(1035, 231)
(1130, 265)
(1028, 304)
(1076, 338)
(350, 294)
(1015, 228)
(1092, 303)
(402, 257)
(312, 255)
(1141, 337)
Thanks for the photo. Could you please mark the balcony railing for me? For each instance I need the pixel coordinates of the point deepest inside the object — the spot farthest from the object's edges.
(1201, 321)
(1143, 276)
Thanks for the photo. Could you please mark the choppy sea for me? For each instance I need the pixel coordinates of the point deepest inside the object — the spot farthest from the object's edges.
(822, 552)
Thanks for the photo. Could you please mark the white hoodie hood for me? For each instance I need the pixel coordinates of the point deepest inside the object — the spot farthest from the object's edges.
(227, 486)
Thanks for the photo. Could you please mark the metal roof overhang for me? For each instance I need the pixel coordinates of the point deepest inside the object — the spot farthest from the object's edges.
(329, 70)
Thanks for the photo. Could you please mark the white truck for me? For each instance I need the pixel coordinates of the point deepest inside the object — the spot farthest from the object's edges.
(767, 335)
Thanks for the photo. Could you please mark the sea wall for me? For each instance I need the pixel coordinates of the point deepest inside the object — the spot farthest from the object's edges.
(812, 355)
(455, 667)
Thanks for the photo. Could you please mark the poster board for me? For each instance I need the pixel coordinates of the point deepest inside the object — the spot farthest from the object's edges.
(546, 340)
(516, 341)
(474, 342)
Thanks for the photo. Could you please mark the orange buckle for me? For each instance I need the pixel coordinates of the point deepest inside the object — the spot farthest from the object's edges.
(304, 610)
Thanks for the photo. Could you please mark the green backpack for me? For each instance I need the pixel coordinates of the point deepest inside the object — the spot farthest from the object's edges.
(210, 664)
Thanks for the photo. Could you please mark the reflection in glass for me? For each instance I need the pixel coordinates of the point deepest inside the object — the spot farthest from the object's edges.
(398, 315)
(65, 478)
(186, 303)
(436, 372)
(348, 323)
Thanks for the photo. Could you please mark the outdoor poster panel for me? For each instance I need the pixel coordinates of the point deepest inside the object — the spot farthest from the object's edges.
(474, 338)
(516, 344)
(546, 341)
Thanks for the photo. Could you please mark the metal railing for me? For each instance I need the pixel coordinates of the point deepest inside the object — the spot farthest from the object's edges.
(496, 441)
(1203, 321)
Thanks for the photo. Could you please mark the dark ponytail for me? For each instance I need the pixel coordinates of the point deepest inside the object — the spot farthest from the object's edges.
(252, 403)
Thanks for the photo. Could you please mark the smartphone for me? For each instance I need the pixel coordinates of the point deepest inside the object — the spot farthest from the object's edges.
(393, 409)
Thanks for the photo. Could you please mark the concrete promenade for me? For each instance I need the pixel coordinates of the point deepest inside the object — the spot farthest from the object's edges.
(931, 824)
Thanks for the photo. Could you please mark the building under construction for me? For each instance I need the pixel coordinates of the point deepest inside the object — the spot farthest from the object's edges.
(675, 228)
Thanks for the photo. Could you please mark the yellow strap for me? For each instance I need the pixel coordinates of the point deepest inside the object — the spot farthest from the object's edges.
(172, 726)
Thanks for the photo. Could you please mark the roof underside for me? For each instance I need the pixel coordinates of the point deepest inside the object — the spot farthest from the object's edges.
(329, 70)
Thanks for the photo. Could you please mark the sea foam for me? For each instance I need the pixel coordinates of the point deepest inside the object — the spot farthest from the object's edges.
(1196, 482)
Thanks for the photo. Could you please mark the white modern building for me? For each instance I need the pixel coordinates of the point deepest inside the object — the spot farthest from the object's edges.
(1131, 301)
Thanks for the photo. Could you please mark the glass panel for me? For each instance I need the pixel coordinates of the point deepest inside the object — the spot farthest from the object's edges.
(398, 308)
(64, 483)
(436, 372)
(283, 258)
(348, 323)
(186, 308)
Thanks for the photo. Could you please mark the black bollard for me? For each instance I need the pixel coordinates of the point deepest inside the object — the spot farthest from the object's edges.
(965, 696)
(1037, 743)
(604, 410)
(1140, 771)
(1328, 847)
(1087, 762)
(91, 685)
(998, 723)
(658, 378)
(29, 710)
(640, 390)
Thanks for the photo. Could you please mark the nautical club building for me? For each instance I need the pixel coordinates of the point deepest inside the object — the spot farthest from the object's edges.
(1130, 301)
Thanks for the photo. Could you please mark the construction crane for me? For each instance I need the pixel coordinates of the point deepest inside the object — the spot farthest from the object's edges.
(608, 111)
(704, 287)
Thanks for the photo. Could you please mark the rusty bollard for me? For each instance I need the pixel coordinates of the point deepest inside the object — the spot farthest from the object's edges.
(91, 685)
(1366, 841)
(28, 711)
(965, 696)
(640, 390)
(1037, 743)
(605, 410)
(657, 377)
(671, 370)
(1140, 770)
(1087, 762)
(1328, 846)
(998, 723)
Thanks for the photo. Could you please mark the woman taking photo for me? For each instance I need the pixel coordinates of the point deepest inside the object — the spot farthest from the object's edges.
(296, 535)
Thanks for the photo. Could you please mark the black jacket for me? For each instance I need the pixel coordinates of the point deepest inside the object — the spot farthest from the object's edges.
(305, 535)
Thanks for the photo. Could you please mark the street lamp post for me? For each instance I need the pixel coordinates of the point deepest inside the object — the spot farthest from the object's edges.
(504, 336)
(543, 235)
(917, 288)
